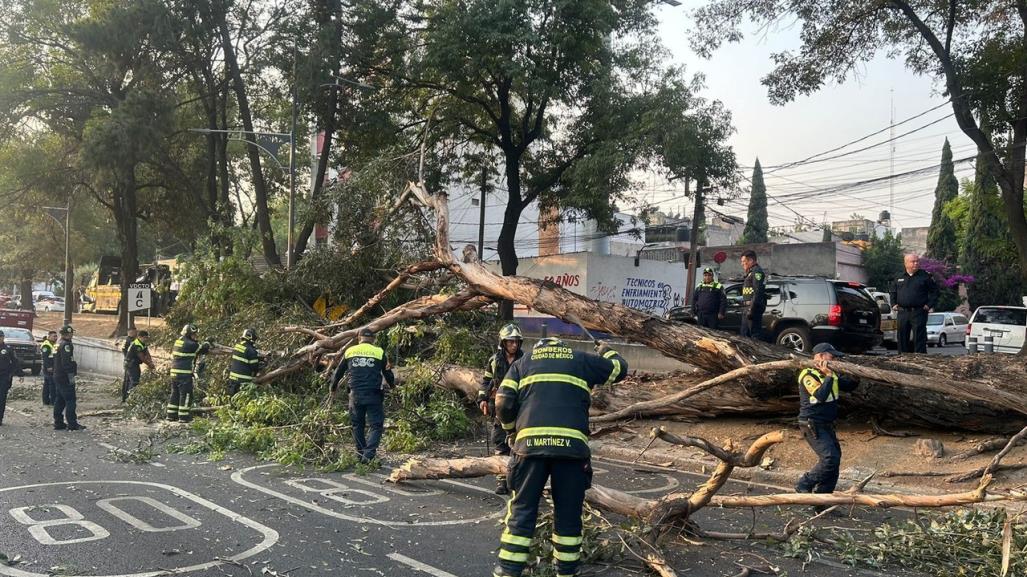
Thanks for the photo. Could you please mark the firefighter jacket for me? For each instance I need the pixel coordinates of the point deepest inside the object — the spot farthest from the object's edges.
(64, 363)
(137, 353)
(709, 299)
(245, 361)
(8, 362)
(495, 370)
(915, 291)
(818, 395)
(47, 351)
(754, 290)
(366, 365)
(543, 401)
(184, 353)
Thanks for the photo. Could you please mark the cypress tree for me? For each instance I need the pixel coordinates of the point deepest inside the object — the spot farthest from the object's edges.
(941, 237)
(756, 224)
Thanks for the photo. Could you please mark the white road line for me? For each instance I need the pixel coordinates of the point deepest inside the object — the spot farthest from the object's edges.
(469, 486)
(415, 564)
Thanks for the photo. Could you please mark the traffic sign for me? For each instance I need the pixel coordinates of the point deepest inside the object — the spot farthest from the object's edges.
(138, 297)
(720, 257)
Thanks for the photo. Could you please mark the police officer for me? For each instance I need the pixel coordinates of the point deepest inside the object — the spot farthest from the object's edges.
(709, 303)
(8, 369)
(47, 350)
(819, 389)
(543, 405)
(510, 340)
(914, 295)
(65, 370)
(754, 296)
(183, 362)
(136, 354)
(366, 364)
(245, 362)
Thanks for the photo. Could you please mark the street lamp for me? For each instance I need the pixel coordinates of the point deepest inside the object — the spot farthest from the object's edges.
(53, 212)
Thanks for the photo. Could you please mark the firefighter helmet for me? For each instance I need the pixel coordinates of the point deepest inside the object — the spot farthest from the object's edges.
(510, 332)
(189, 329)
(249, 334)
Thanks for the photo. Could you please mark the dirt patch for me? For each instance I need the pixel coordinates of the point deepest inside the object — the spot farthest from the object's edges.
(99, 326)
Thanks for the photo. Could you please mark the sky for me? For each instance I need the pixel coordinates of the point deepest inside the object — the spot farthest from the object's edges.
(810, 125)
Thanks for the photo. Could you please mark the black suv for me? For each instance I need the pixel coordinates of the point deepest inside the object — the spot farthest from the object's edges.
(803, 312)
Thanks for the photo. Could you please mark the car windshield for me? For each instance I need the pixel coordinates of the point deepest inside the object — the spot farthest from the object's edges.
(935, 320)
(16, 334)
(1017, 317)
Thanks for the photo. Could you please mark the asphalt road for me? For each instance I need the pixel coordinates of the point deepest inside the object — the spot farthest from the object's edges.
(70, 506)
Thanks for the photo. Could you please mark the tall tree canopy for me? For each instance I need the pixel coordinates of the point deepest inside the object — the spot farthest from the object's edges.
(976, 49)
(756, 224)
(941, 237)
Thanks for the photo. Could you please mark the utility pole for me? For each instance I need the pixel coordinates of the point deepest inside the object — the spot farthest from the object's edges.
(698, 216)
(481, 218)
(69, 300)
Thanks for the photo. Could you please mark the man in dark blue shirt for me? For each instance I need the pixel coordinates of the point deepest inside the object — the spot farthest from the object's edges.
(366, 364)
(819, 389)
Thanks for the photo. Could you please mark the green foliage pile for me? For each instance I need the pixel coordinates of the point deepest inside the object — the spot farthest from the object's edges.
(599, 543)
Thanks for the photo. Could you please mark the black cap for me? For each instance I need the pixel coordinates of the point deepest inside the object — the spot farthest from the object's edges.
(827, 348)
(365, 332)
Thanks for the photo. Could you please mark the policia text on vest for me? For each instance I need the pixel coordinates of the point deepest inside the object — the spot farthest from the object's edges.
(543, 404)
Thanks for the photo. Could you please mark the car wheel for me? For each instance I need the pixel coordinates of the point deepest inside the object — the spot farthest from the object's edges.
(941, 341)
(795, 338)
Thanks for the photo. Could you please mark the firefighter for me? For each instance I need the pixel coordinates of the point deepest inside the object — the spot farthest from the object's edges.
(366, 364)
(709, 303)
(543, 404)
(47, 351)
(510, 341)
(245, 362)
(819, 389)
(183, 362)
(9, 368)
(136, 354)
(130, 338)
(65, 370)
(754, 296)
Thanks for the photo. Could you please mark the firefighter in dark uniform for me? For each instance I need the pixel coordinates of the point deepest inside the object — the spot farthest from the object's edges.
(819, 389)
(245, 362)
(183, 362)
(510, 340)
(47, 350)
(64, 371)
(754, 296)
(914, 295)
(709, 303)
(543, 405)
(136, 354)
(366, 364)
(130, 337)
(8, 370)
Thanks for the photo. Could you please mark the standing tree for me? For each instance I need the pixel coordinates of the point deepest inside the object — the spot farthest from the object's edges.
(941, 237)
(883, 261)
(756, 224)
(976, 48)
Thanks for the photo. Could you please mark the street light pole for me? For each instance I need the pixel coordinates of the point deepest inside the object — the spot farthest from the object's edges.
(68, 299)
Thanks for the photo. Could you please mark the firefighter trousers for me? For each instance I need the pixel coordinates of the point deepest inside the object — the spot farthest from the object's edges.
(527, 476)
(181, 398)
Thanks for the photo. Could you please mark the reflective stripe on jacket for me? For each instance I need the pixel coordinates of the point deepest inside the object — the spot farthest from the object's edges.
(244, 361)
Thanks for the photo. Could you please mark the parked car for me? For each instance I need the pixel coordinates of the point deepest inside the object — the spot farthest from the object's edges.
(803, 312)
(945, 328)
(889, 322)
(50, 304)
(1008, 325)
(40, 295)
(25, 348)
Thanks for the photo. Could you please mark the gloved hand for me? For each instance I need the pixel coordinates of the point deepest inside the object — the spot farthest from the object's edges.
(602, 348)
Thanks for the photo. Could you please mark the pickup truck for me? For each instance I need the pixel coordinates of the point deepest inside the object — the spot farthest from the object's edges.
(889, 324)
(17, 328)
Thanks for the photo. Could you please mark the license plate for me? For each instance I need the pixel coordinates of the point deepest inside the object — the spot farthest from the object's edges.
(862, 321)
(888, 325)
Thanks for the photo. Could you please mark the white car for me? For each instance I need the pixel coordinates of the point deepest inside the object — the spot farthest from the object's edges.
(945, 328)
(1008, 326)
(50, 304)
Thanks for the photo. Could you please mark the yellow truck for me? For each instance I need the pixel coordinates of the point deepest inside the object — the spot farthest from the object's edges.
(103, 293)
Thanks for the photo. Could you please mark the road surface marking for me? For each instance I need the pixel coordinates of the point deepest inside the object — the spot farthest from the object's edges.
(415, 564)
(469, 486)
(269, 535)
(109, 506)
(238, 478)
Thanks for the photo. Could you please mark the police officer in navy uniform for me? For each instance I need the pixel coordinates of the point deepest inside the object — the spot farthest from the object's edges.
(183, 363)
(65, 370)
(8, 369)
(709, 303)
(754, 296)
(510, 340)
(245, 362)
(819, 389)
(366, 364)
(543, 404)
(914, 295)
(47, 350)
(137, 354)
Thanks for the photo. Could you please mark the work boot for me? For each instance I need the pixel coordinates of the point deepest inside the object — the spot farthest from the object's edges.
(59, 426)
(76, 427)
(501, 486)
